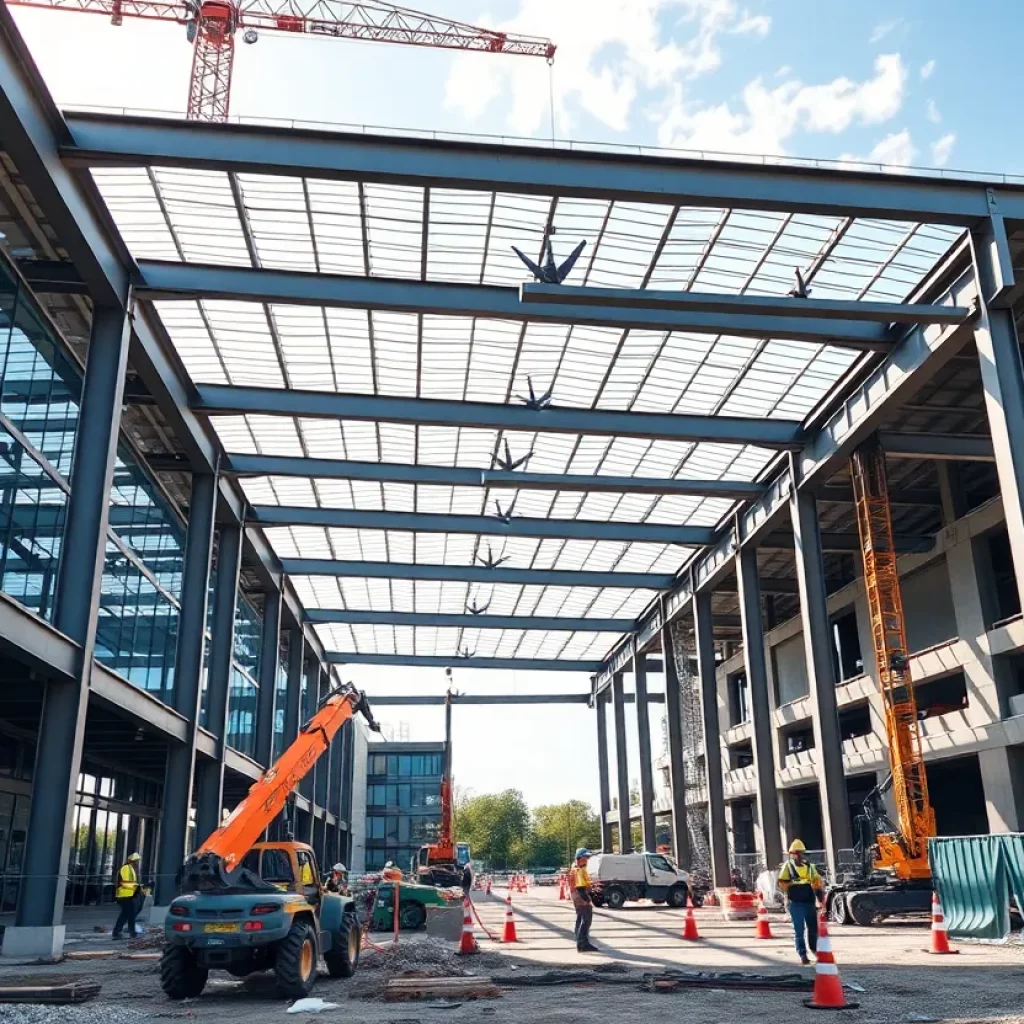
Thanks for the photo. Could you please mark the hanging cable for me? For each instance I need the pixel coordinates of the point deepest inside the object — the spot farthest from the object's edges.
(551, 95)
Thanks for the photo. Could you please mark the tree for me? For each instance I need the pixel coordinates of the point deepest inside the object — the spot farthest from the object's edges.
(560, 829)
(496, 826)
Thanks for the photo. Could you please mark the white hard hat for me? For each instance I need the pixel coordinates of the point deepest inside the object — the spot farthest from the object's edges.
(134, 856)
(340, 868)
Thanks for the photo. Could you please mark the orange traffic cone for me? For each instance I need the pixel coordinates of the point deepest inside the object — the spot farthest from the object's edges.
(690, 924)
(468, 943)
(763, 928)
(509, 935)
(940, 940)
(562, 887)
(828, 989)
(487, 888)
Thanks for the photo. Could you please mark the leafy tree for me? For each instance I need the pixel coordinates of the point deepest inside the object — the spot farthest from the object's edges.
(497, 827)
(560, 829)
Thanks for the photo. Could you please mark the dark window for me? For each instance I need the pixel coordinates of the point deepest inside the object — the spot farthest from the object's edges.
(405, 766)
(1004, 581)
(251, 861)
(739, 709)
(404, 796)
(276, 867)
(659, 863)
(741, 755)
(855, 721)
(392, 764)
(797, 738)
(942, 696)
(846, 654)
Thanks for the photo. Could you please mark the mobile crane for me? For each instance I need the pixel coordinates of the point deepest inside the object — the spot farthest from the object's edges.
(441, 863)
(894, 875)
(251, 906)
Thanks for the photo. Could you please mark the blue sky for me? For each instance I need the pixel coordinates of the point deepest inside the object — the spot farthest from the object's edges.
(917, 82)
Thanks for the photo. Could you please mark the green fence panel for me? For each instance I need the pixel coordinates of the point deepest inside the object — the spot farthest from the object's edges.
(1013, 860)
(973, 885)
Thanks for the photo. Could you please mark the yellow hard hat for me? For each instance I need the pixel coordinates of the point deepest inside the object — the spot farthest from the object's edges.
(797, 846)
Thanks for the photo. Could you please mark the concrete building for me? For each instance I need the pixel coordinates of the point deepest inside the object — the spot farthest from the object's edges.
(260, 388)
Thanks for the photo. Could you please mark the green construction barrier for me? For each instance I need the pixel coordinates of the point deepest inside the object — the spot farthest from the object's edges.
(976, 877)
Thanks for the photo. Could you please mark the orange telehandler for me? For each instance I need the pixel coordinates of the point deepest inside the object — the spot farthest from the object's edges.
(251, 906)
(894, 876)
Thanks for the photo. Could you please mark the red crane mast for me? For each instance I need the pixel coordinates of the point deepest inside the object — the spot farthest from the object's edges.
(211, 26)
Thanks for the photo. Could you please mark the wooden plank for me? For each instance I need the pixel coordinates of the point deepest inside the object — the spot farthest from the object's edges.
(401, 989)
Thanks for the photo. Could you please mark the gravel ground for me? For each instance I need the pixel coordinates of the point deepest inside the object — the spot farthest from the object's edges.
(902, 985)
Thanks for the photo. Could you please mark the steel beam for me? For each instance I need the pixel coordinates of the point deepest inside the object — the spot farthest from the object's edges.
(603, 782)
(705, 648)
(437, 700)
(421, 522)
(821, 678)
(622, 765)
(913, 496)
(482, 574)
(676, 767)
(467, 620)
(958, 447)
(881, 313)
(160, 280)
(762, 730)
(210, 775)
(214, 399)
(270, 659)
(120, 141)
(438, 661)
(841, 543)
(495, 479)
(83, 552)
(643, 720)
(1002, 378)
(188, 677)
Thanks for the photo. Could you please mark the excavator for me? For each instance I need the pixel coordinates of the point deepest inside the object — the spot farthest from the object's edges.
(250, 906)
(441, 863)
(893, 876)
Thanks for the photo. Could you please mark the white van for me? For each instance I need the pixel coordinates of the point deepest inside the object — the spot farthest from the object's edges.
(618, 877)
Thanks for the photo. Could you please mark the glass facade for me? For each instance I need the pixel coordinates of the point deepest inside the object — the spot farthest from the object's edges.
(40, 389)
(403, 801)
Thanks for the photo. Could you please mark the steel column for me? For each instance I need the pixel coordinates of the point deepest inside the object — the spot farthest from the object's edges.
(600, 701)
(270, 657)
(821, 677)
(210, 777)
(188, 675)
(676, 767)
(643, 720)
(622, 763)
(705, 643)
(307, 787)
(83, 552)
(762, 731)
(1002, 378)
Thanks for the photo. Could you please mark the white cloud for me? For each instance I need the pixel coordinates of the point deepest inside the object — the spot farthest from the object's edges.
(769, 117)
(927, 70)
(885, 28)
(895, 150)
(942, 150)
(608, 50)
(931, 111)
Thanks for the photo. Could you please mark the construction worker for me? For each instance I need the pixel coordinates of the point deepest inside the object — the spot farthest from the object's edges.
(125, 893)
(802, 886)
(467, 880)
(579, 893)
(338, 880)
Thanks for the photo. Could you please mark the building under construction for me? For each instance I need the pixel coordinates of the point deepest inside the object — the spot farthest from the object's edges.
(273, 401)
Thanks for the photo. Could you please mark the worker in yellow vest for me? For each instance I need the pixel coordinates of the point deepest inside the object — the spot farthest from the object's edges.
(801, 884)
(127, 890)
(579, 893)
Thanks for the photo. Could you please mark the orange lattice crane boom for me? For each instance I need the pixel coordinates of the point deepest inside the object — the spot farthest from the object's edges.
(211, 26)
(904, 849)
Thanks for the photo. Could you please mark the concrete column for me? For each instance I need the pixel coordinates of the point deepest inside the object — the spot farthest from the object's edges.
(210, 774)
(619, 711)
(1002, 778)
(821, 676)
(188, 676)
(602, 771)
(676, 770)
(269, 659)
(951, 492)
(762, 731)
(1002, 378)
(643, 719)
(718, 836)
(38, 929)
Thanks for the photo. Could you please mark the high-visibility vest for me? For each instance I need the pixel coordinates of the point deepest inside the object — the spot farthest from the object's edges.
(127, 882)
(306, 873)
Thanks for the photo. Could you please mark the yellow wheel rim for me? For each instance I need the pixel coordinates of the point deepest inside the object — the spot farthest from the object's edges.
(307, 958)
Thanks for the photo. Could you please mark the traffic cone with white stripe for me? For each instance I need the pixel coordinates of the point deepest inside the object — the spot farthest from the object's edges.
(940, 940)
(468, 943)
(690, 924)
(828, 989)
(487, 888)
(509, 935)
(763, 928)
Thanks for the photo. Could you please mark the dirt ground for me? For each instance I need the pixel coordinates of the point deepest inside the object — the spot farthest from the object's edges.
(901, 983)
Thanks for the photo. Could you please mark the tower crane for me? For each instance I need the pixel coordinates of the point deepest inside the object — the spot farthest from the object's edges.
(211, 26)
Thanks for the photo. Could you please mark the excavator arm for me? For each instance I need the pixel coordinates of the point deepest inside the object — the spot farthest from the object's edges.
(216, 864)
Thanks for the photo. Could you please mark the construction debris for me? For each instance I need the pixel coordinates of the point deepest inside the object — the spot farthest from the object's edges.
(403, 989)
(673, 981)
(50, 995)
